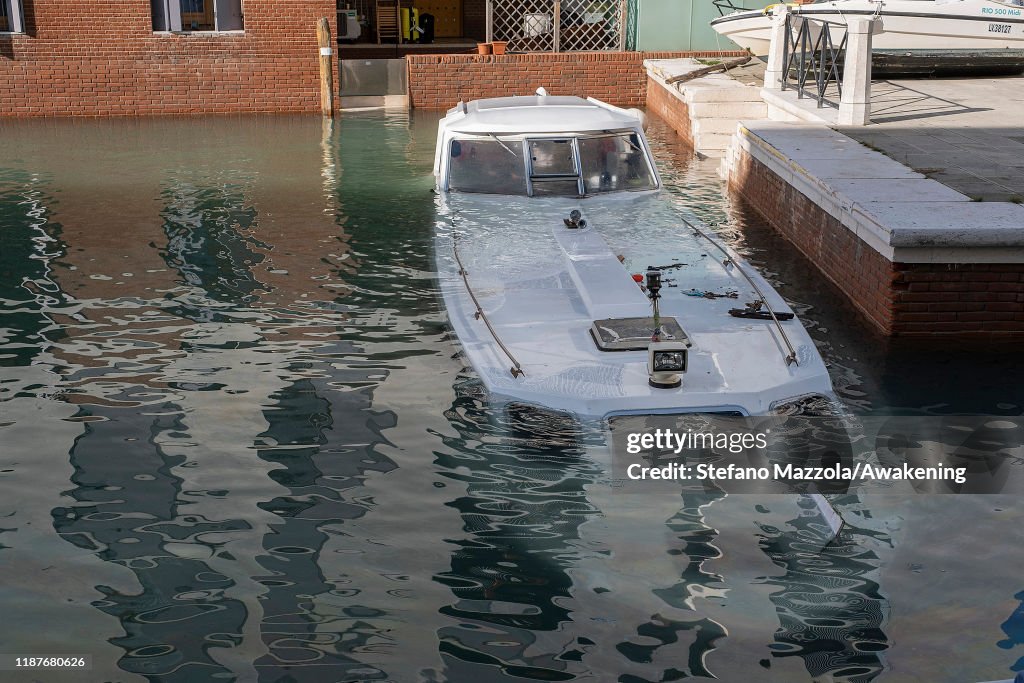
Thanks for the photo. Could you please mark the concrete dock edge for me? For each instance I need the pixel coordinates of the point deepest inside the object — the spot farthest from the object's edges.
(915, 257)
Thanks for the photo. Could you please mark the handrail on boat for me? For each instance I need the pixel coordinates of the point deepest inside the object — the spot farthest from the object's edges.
(730, 261)
(479, 314)
(728, 6)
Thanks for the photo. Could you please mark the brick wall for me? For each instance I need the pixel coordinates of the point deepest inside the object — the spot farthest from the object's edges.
(899, 299)
(101, 57)
(980, 298)
(670, 109)
(440, 81)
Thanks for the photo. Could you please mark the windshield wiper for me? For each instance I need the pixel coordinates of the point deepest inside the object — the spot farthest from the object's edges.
(504, 146)
(628, 141)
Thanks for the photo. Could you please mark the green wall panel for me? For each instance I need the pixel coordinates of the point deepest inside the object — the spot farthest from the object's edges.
(681, 25)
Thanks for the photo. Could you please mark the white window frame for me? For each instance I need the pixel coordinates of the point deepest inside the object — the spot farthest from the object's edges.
(524, 139)
(167, 16)
(15, 16)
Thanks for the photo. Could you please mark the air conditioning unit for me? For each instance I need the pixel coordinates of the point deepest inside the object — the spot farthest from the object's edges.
(348, 24)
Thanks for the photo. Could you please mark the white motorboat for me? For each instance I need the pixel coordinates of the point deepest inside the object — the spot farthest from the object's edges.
(552, 237)
(933, 36)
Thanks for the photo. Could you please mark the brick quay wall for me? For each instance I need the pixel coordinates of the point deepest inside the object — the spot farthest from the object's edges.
(440, 81)
(896, 298)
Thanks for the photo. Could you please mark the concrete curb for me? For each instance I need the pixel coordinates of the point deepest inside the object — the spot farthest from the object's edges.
(896, 211)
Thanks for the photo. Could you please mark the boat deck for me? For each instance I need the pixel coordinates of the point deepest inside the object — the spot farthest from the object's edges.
(543, 301)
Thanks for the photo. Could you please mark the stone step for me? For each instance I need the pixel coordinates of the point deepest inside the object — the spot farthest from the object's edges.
(710, 141)
(707, 90)
(701, 126)
(729, 110)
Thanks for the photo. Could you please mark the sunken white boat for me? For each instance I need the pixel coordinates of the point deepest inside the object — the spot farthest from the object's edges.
(915, 36)
(553, 235)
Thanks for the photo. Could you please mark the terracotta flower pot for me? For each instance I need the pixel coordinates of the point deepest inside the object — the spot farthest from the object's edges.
(483, 48)
(498, 46)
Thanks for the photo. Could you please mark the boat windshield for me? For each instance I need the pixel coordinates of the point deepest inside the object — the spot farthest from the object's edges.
(550, 166)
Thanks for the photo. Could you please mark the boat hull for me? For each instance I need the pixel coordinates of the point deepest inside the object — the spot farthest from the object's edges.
(969, 36)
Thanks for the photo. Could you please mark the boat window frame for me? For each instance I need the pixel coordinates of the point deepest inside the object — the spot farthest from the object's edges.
(524, 139)
(532, 176)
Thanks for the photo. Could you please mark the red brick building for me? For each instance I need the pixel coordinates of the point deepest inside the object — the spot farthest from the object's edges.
(130, 57)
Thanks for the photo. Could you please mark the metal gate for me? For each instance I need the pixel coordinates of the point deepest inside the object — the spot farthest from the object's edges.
(810, 54)
(557, 25)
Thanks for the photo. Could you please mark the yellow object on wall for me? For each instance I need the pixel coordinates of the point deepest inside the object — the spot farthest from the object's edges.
(410, 18)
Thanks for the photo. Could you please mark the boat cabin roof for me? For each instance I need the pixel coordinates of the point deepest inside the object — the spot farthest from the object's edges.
(538, 114)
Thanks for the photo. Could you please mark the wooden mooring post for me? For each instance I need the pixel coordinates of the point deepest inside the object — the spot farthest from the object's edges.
(323, 39)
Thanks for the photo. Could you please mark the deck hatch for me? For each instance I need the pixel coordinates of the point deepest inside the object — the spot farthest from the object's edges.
(634, 334)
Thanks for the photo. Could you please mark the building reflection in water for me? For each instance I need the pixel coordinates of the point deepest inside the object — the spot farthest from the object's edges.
(131, 510)
(226, 424)
(323, 440)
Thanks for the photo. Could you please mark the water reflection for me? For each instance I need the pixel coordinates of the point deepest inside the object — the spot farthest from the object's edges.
(31, 242)
(1013, 627)
(696, 579)
(524, 473)
(191, 358)
(831, 610)
(130, 510)
(210, 240)
(323, 441)
(197, 457)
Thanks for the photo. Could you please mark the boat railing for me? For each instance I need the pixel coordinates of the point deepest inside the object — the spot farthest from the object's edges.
(811, 59)
(516, 369)
(729, 6)
(790, 354)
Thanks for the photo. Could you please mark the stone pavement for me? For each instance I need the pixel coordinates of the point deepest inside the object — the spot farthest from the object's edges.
(966, 133)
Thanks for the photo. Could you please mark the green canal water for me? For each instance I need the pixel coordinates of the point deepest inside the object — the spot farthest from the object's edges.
(238, 442)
